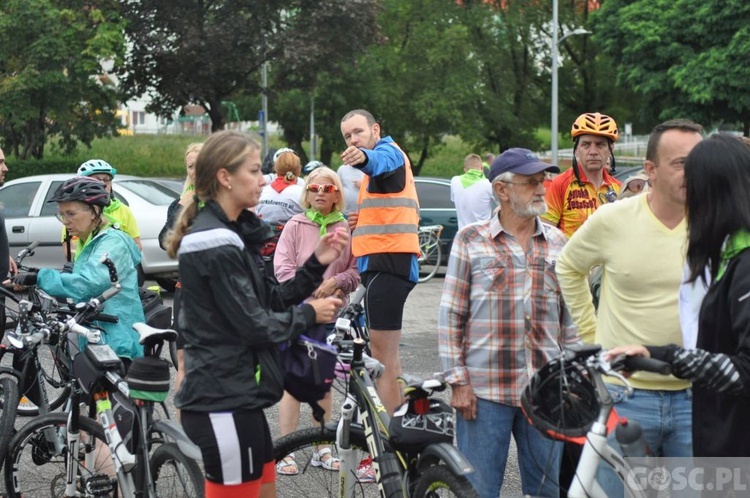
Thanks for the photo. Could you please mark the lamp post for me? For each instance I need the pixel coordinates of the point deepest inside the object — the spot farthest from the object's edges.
(555, 47)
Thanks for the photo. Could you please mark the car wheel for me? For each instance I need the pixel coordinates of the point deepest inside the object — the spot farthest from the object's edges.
(168, 284)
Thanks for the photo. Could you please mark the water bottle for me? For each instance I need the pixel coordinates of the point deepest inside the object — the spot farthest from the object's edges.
(630, 437)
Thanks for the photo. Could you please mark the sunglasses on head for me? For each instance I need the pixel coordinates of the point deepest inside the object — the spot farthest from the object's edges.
(326, 189)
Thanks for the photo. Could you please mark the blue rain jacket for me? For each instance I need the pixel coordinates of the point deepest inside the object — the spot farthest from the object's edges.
(90, 278)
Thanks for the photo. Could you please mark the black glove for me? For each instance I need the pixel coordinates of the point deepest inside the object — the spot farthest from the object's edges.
(68, 267)
(25, 278)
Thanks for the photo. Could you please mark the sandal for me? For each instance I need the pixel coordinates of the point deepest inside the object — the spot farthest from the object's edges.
(319, 460)
(287, 466)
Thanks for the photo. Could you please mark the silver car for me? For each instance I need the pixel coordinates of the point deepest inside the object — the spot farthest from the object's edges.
(29, 217)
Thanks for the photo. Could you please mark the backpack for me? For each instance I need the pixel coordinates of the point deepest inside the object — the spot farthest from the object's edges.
(309, 368)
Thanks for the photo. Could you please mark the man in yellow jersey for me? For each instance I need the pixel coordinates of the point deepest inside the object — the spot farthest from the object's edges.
(573, 195)
(117, 213)
(640, 243)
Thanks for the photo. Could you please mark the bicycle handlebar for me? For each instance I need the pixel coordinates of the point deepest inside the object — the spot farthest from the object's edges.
(635, 363)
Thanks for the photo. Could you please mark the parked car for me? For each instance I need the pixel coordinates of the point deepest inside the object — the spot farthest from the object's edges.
(437, 208)
(29, 218)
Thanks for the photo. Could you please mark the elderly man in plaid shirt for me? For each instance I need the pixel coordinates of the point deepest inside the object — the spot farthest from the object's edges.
(502, 318)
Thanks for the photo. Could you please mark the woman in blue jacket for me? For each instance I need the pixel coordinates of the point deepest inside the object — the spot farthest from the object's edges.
(81, 201)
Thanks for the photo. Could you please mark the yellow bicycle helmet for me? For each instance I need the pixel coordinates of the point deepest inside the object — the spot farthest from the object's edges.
(594, 123)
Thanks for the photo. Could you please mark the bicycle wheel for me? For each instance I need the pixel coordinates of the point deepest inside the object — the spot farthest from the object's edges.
(174, 474)
(439, 481)
(311, 480)
(37, 458)
(430, 257)
(57, 396)
(9, 397)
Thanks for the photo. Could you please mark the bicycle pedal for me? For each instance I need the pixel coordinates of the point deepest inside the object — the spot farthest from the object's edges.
(100, 485)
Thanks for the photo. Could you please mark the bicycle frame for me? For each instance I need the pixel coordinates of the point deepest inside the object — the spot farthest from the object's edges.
(595, 449)
(362, 399)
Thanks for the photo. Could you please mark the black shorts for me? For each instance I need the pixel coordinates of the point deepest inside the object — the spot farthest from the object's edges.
(384, 299)
(235, 445)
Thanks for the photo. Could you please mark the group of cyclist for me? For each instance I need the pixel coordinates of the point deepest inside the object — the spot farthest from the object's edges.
(232, 317)
(516, 289)
(685, 227)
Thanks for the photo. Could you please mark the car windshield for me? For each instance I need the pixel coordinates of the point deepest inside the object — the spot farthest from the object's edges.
(153, 192)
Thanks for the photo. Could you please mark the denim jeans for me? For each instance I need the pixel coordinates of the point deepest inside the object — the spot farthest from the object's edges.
(666, 418)
(485, 441)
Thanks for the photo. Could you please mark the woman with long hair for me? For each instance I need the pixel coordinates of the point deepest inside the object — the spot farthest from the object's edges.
(717, 177)
(233, 318)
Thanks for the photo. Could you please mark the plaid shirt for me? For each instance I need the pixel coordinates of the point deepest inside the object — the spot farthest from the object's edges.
(502, 315)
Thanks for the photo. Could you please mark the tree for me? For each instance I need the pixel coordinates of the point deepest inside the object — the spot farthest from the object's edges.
(52, 79)
(203, 52)
(686, 58)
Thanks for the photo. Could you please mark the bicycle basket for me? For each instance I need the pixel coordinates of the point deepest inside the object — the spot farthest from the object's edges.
(412, 431)
(148, 379)
(561, 401)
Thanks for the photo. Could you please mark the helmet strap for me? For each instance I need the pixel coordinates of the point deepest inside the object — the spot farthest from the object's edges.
(612, 155)
(576, 171)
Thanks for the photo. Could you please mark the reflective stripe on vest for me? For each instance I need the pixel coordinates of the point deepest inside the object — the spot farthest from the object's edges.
(387, 223)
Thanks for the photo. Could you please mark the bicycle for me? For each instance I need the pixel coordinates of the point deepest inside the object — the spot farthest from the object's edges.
(50, 454)
(568, 400)
(412, 454)
(43, 385)
(430, 252)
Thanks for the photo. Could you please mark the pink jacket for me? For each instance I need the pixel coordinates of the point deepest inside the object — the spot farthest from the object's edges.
(297, 243)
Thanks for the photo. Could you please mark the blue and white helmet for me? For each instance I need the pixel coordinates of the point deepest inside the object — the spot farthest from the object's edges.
(96, 166)
(312, 165)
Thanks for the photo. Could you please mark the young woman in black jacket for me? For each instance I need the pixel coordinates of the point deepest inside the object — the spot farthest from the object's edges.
(233, 318)
(717, 173)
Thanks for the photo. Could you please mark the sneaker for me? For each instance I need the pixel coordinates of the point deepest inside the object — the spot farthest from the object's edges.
(365, 471)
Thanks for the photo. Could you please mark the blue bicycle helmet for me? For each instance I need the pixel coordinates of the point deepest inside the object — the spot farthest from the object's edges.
(96, 166)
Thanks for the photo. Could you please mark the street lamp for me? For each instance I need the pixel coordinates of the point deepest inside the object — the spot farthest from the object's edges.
(555, 55)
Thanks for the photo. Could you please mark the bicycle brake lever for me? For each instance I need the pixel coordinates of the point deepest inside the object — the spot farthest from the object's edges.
(608, 368)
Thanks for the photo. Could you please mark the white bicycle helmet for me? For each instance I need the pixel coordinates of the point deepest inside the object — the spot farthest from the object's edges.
(282, 151)
(96, 166)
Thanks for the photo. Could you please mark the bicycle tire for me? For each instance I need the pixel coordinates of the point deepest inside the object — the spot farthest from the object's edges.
(9, 395)
(173, 355)
(431, 257)
(439, 481)
(311, 480)
(31, 469)
(56, 396)
(175, 474)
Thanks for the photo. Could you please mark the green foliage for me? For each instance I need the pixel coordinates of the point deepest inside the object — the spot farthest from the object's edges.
(51, 53)
(140, 155)
(200, 52)
(685, 58)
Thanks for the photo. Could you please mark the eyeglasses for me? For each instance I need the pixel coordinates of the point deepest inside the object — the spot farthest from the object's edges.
(531, 183)
(325, 189)
(67, 215)
(609, 196)
(102, 178)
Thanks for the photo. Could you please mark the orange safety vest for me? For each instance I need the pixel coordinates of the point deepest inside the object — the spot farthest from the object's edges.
(387, 223)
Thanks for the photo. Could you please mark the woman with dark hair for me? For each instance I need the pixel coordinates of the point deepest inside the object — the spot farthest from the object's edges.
(232, 318)
(717, 173)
